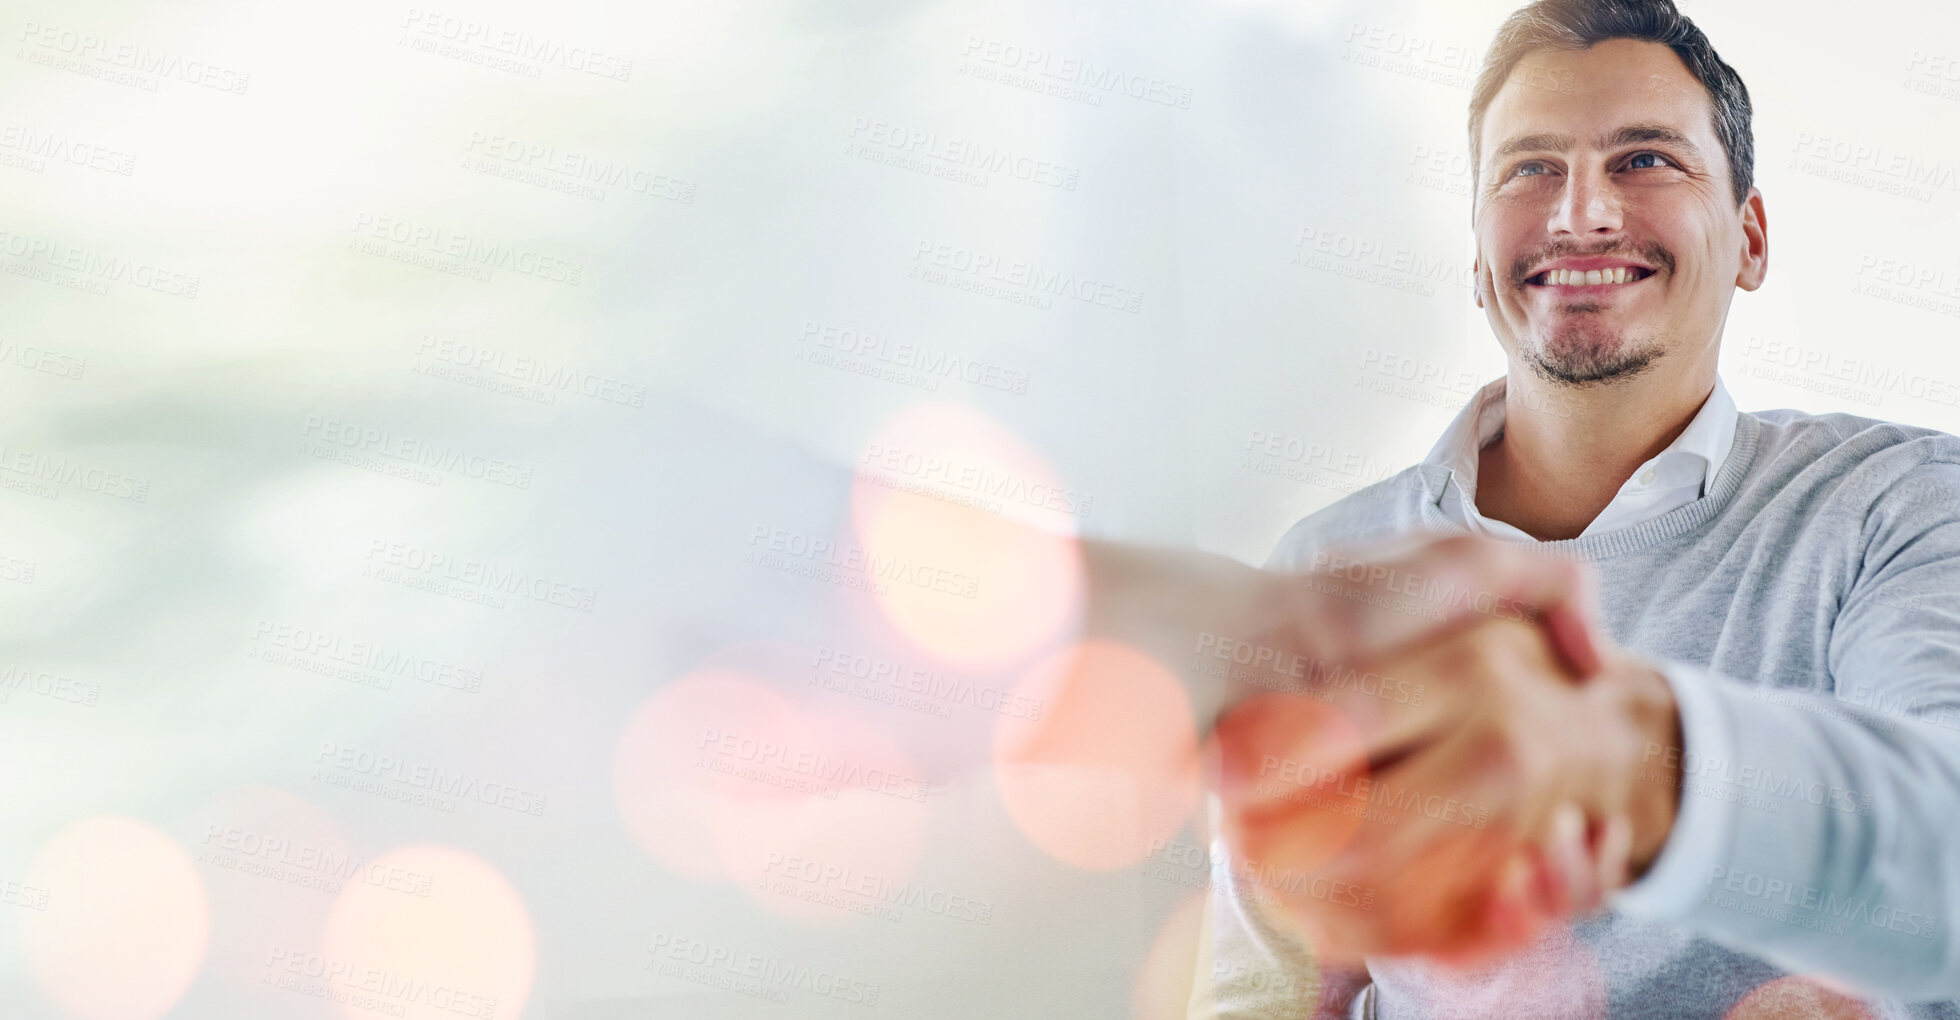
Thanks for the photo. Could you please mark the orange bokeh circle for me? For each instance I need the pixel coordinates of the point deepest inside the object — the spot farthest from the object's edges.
(1110, 767)
(970, 536)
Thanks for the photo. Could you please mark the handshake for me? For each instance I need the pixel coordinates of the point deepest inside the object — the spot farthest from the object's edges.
(1437, 720)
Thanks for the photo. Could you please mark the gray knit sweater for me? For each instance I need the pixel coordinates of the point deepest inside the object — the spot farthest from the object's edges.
(1807, 612)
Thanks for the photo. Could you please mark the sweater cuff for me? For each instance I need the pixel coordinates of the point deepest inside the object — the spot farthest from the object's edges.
(1678, 878)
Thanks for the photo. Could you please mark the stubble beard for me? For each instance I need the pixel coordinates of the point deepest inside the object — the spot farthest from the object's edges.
(1581, 353)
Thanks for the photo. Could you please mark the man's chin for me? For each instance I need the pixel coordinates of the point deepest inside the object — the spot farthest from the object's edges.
(1582, 359)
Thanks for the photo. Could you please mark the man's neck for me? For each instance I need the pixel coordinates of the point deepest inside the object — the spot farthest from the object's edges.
(1566, 451)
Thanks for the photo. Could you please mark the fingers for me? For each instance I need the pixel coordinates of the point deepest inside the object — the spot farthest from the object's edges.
(1571, 870)
(1571, 633)
(1614, 854)
(1570, 879)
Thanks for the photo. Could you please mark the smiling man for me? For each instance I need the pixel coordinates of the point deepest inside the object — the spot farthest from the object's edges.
(1743, 810)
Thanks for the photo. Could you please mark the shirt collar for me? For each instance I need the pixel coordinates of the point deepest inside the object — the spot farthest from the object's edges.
(1706, 441)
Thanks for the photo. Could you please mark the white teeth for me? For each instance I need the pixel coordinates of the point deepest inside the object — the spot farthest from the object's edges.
(1589, 277)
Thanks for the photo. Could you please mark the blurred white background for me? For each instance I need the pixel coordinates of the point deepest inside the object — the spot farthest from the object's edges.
(419, 425)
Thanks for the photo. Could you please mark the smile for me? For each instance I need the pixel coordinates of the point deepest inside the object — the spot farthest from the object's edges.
(1589, 277)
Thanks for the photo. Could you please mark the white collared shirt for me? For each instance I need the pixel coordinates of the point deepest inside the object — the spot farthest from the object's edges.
(1672, 479)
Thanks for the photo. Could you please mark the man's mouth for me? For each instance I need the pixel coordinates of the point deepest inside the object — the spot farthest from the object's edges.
(1616, 276)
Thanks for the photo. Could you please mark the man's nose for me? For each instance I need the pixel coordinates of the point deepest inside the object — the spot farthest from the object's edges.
(1589, 204)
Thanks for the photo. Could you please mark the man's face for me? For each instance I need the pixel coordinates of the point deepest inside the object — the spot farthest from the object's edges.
(1621, 178)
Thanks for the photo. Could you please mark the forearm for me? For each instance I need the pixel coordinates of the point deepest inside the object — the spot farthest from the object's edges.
(1820, 836)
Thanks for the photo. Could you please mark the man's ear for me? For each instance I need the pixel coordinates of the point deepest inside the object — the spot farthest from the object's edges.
(1755, 242)
(1477, 274)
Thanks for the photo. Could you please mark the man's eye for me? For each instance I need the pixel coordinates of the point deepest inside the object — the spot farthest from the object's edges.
(1528, 170)
(1636, 164)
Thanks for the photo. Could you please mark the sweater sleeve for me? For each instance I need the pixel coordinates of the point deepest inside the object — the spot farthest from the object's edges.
(1816, 828)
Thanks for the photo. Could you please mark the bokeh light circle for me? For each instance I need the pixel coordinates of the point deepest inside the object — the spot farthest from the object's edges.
(971, 536)
(842, 847)
(126, 924)
(666, 782)
(1110, 767)
(465, 949)
(1178, 955)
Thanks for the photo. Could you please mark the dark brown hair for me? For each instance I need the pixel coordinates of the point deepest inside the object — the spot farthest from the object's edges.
(1579, 24)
